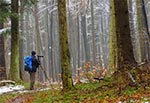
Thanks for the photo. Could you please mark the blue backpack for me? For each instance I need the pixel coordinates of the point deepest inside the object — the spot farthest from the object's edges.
(28, 63)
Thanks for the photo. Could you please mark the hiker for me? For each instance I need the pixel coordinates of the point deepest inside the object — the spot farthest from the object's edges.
(35, 65)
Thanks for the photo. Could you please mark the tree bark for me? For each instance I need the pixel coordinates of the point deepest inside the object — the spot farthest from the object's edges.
(125, 56)
(93, 34)
(2, 56)
(15, 37)
(22, 72)
(113, 41)
(85, 39)
(124, 44)
(64, 47)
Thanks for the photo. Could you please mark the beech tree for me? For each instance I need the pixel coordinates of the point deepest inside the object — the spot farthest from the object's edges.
(64, 48)
(15, 37)
(113, 40)
(120, 31)
(4, 14)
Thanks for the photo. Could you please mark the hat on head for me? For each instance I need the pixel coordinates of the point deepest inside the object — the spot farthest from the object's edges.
(33, 53)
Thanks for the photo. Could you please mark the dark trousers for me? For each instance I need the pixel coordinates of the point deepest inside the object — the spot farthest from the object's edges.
(32, 80)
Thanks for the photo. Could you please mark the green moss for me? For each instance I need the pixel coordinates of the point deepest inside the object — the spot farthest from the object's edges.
(84, 93)
(112, 39)
(130, 91)
(64, 47)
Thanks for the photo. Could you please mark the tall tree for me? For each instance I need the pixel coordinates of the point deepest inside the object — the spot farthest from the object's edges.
(124, 44)
(4, 13)
(125, 56)
(142, 27)
(50, 40)
(2, 61)
(113, 41)
(145, 17)
(15, 37)
(85, 38)
(22, 74)
(93, 33)
(139, 25)
(64, 47)
(145, 29)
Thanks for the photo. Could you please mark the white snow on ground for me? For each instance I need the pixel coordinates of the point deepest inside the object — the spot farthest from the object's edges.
(10, 88)
(18, 89)
(29, 91)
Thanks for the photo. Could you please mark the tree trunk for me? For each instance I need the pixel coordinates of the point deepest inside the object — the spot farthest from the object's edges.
(145, 18)
(146, 29)
(124, 44)
(15, 37)
(85, 39)
(22, 72)
(140, 35)
(79, 45)
(113, 41)
(2, 53)
(93, 34)
(120, 33)
(38, 45)
(64, 47)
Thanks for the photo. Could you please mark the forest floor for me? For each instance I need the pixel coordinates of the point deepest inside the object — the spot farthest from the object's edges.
(95, 92)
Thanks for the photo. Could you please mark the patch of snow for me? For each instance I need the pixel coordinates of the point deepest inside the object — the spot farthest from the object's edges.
(120, 102)
(7, 81)
(84, 81)
(145, 102)
(30, 91)
(10, 88)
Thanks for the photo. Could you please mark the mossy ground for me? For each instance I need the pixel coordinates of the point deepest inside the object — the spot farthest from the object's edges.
(95, 92)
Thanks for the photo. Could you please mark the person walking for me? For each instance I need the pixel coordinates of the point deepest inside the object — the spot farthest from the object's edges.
(35, 65)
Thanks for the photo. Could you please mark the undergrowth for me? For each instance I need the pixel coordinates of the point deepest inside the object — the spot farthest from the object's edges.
(94, 92)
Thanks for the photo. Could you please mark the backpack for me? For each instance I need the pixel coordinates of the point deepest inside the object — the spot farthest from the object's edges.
(28, 63)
